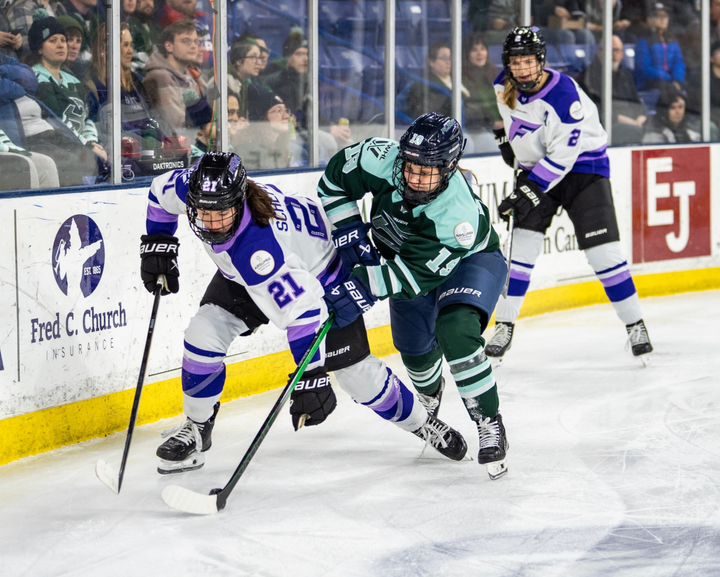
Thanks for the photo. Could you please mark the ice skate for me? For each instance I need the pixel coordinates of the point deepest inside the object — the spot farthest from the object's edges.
(493, 446)
(501, 340)
(639, 340)
(442, 437)
(183, 451)
(432, 402)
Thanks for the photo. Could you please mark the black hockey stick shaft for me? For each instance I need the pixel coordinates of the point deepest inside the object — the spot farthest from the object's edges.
(141, 378)
(511, 230)
(224, 493)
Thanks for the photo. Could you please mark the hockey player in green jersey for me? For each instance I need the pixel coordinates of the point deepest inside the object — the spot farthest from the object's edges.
(442, 268)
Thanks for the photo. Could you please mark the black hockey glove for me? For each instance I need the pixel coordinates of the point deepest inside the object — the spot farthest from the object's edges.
(158, 256)
(354, 246)
(313, 396)
(349, 299)
(504, 145)
(526, 197)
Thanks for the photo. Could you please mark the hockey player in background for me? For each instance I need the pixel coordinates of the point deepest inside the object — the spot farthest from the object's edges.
(443, 270)
(552, 133)
(275, 260)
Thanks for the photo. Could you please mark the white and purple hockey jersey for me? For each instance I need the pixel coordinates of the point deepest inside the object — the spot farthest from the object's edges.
(554, 131)
(285, 266)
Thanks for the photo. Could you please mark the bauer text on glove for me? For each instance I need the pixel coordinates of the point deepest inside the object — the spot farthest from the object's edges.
(159, 256)
(522, 200)
(354, 245)
(313, 396)
(349, 299)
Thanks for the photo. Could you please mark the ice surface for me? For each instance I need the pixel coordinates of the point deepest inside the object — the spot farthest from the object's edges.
(614, 469)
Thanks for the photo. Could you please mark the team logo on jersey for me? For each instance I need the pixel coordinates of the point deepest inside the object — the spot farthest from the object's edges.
(464, 234)
(262, 262)
(78, 256)
(576, 110)
(520, 128)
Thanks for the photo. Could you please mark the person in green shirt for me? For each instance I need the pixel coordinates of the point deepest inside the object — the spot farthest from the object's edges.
(442, 268)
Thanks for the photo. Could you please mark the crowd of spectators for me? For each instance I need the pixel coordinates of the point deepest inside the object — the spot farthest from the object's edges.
(55, 112)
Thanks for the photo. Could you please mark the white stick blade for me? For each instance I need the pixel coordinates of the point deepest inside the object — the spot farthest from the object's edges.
(107, 475)
(189, 501)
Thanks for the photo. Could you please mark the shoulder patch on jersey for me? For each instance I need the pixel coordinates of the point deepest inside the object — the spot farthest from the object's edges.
(465, 234)
(262, 262)
(576, 110)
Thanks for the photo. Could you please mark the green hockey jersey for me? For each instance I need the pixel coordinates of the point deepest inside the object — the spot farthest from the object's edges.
(421, 246)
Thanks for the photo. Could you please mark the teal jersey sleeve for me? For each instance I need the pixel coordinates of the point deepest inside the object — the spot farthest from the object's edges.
(353, 172)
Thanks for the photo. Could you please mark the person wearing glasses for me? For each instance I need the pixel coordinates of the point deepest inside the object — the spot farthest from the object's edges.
(172, 91)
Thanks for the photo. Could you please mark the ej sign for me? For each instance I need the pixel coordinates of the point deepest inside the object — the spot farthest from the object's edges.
(671, 203)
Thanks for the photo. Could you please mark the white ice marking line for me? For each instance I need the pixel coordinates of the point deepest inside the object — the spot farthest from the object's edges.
(189, 501)
(107, 475)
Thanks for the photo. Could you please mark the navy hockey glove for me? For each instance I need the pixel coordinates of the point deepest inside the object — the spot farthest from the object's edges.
(504, 145)
(522, 200)
(312, 396)
(158, 256)
(349, 299)
(354, 246)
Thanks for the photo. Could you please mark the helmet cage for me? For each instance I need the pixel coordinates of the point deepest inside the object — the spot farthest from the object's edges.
(434, 141)
(217, 184)
(524, 41)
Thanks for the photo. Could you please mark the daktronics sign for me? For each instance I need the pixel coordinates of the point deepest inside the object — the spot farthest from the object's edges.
(671, 203)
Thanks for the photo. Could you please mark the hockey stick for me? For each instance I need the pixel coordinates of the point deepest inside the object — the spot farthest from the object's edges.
(104, 471)
(509, 245)
(191, 502)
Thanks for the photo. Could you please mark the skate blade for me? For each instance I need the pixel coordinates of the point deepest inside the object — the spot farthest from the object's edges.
(497, 469)
(192, 463)
(645, 359)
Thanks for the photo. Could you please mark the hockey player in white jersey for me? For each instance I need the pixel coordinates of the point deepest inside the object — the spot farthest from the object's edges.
(275, 261)
(552, 134)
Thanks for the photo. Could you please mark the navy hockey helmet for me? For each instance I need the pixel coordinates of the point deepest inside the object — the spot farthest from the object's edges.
(218, 184)
(524, 41)
(433, 140)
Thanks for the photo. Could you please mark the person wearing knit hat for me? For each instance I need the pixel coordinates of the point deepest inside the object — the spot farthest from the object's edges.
(74, 32)
(60, 91)
(260, 102)
(293, 42)
(20, 17)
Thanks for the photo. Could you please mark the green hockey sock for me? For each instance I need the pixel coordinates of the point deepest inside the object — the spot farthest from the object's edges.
(459, 331)
(425, 371)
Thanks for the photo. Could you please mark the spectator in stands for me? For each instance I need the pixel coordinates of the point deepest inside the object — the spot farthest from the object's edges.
(61, 92)
(236, 123)
(128, 9)
(260, 43)
(20, 17)
(177, 10)
(19, 167)
(691, 46)
(670, 123)
(244, 68)
(503, 15)
(266, 144)
(594, 19)
(34, 127)
(290, 83)
(171, 89)
(74, 32)
(90, 12)
(434, 95)
(628, 109)
(10, 44)
(481, 111)
(145, 32)
(658, 58)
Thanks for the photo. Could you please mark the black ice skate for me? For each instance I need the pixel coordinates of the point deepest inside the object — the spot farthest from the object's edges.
(432, 402)
(183, 451)
(493, 446)
(639, 340)
(442, 437)
(501, 340)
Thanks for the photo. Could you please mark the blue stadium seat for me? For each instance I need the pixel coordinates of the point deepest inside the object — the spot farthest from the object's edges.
(495, 53)
(271, 28)
(629, 58)
(578, 56)
(358, 31)
(330, 11)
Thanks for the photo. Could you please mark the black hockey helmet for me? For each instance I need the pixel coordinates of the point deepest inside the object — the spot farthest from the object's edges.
(218, 183)
(524, 41)
(432, 140)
